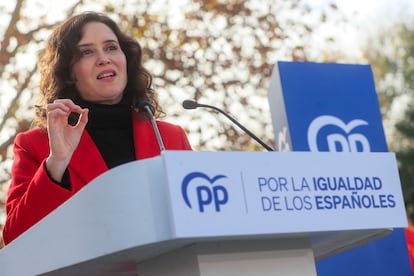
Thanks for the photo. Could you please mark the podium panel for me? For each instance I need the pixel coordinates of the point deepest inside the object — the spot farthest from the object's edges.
(207, 203)
(241, 258)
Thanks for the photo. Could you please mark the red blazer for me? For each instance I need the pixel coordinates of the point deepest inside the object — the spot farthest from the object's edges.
(32, 194)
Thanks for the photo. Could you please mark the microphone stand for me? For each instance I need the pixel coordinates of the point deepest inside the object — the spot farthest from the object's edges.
(189, 104)
(146, 105)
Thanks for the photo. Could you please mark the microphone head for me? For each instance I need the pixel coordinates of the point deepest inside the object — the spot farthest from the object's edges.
(143, 105)
(190, 104)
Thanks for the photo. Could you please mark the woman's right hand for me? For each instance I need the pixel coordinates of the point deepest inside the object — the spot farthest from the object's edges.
(63, 137)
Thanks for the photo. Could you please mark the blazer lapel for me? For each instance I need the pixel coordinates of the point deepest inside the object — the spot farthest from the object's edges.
(87, 162)
(145, 141)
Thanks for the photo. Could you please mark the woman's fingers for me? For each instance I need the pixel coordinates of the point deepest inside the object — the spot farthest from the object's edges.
(76, 119)
(83, 117)
(66, 109)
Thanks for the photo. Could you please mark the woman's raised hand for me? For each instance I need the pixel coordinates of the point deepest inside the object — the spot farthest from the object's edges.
(63, 136)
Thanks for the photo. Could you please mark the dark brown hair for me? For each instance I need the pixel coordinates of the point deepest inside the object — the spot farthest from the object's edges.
(61, 52)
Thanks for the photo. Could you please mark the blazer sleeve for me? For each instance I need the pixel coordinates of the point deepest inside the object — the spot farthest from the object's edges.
(174, 136)
(146, 145)
(32, 194)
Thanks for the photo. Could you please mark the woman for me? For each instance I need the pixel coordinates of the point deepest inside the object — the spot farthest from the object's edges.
(88, 119)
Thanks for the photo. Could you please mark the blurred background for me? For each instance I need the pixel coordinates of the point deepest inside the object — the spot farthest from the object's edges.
(222, 53)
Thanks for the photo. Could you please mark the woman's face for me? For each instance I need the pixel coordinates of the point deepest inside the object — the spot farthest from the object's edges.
(100, 74)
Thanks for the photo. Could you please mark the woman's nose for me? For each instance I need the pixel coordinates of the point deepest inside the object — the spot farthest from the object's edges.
(103, 59)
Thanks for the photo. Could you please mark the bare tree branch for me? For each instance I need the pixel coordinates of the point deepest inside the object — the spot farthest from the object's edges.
(11, 29)
(15, 102)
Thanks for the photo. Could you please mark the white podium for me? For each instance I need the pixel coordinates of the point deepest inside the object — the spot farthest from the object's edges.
(215, 213)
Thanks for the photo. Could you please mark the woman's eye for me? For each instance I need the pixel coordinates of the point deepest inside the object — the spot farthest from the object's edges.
(112, 48)
(86, 52)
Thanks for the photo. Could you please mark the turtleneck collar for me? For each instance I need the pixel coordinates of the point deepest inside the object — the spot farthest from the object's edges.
(110, 127)
(107, 116)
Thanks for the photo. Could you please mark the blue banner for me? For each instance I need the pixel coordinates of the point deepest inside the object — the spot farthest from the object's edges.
(334, 107)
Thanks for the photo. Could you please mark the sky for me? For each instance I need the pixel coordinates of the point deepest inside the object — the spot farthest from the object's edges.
(364, 20)
(372, 8)
(369, 16)
(377, 13)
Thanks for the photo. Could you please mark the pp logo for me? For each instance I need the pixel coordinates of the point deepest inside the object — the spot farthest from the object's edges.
(206, 192)
(350, 142)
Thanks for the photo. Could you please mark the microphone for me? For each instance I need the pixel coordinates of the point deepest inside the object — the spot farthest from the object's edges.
(190, 104)
(147, 107)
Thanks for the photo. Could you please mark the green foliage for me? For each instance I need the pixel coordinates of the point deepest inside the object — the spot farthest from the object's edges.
(405, 157)
(392, 60)
(393, 64)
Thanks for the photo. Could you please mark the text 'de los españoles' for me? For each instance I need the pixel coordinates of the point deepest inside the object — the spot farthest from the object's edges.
(323, 193)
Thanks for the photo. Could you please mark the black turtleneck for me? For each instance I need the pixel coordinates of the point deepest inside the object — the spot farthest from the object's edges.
(110, 127)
